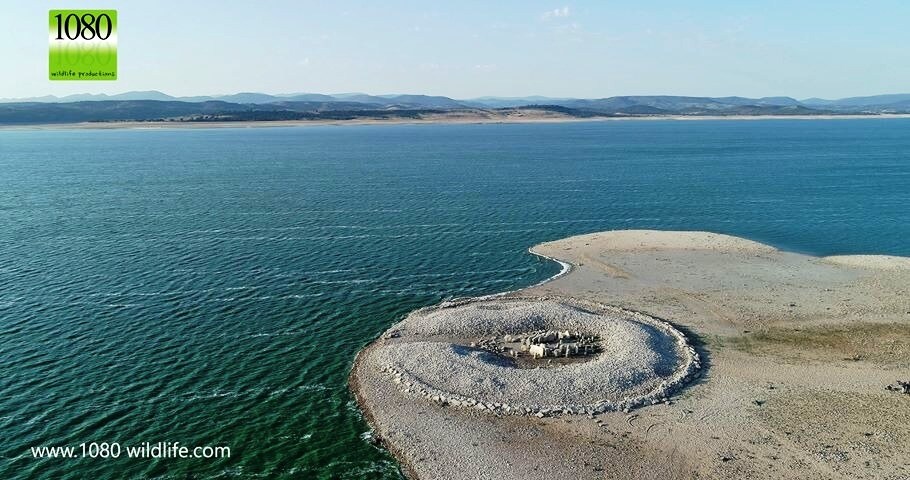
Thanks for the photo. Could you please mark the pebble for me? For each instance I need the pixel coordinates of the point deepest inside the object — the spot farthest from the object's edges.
(452, 369)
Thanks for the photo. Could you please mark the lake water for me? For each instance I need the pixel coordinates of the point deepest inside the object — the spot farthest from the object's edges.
(212, 286)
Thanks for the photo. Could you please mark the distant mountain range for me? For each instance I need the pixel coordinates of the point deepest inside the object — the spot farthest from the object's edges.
(384, 101)
(155, 105)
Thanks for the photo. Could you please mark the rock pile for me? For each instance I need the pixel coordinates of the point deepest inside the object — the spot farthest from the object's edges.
(552, 343)
(901, 387)
(542, 343)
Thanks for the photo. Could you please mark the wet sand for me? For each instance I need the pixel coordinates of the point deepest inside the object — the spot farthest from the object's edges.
(797, 350)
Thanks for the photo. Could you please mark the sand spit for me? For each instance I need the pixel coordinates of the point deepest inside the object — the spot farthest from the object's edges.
(797, 353)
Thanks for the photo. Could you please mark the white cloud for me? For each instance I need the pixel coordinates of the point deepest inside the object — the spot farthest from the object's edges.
(556, 13)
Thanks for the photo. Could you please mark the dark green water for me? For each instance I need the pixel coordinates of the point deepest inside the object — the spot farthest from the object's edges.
(211, 287)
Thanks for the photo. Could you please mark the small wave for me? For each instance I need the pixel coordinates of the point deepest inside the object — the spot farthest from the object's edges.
(278, 334)
(139, 294)
(297, 295)
(454, 274)
(262, 298)
(351, 281)
(182, 236)
(340, 282)
(250, 392)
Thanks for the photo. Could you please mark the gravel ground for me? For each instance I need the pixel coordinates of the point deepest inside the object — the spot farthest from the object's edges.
(643, 358)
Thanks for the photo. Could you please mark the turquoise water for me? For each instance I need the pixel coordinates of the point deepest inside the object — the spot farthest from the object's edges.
(212, 286)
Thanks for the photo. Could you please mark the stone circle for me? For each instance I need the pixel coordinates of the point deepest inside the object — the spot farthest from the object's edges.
(443, 354)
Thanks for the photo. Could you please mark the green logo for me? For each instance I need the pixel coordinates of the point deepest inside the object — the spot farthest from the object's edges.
(83, 45)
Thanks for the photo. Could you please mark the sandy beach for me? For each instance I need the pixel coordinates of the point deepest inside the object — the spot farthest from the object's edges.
(795, 354)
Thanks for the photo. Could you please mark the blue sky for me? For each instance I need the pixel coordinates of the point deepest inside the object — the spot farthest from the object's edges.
(472, 48)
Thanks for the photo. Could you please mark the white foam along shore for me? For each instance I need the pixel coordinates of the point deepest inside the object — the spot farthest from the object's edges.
(565, 268)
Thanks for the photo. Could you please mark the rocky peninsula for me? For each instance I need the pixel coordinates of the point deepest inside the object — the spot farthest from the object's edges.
(659, 355)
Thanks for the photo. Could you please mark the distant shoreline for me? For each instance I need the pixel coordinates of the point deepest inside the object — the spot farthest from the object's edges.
(455, 120)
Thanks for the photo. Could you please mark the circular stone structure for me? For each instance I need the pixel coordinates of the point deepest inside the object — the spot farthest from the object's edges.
(433, 353)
